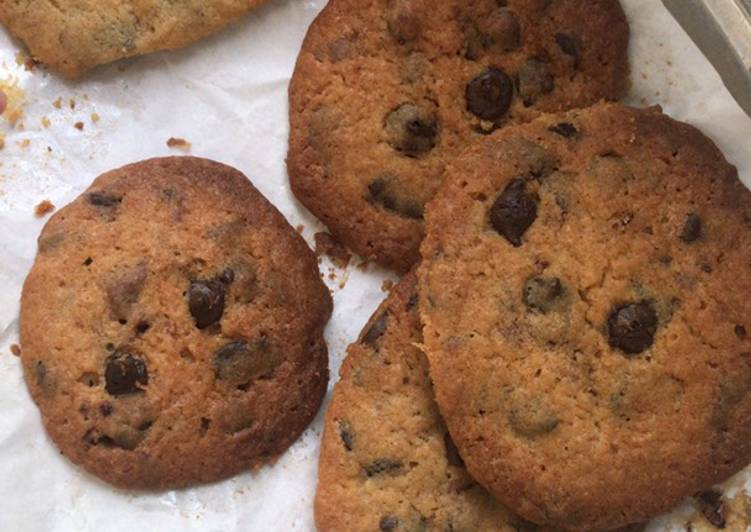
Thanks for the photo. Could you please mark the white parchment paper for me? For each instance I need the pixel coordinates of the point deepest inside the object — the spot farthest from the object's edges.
(227, 96)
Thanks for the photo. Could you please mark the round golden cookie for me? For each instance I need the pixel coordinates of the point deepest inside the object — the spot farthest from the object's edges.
(386, 92)
(584, 293)
(171, 326)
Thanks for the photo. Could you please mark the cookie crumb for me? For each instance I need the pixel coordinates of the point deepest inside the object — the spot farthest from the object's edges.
(45, 122)
(78, 126)
(327, 245)
(95, 117)
(57, 104)
(24, 143)
(15, 350)
(2, 141)
(72, 103)
(178, 143)
(3, 102)
(44, 207)
(387, 285)
(300, 228)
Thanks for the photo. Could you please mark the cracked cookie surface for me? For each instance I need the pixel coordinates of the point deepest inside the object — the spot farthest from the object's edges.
(584, 291)
(73, 36)
(172, 326)
(385, 92)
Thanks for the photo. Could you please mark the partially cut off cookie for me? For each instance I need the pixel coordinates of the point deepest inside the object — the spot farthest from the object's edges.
(584, 290)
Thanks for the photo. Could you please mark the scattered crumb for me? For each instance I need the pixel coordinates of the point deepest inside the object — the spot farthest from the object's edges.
(78, 126)
(44, 207)
(57, 104)
(15, 349)
(45, 122)
(28, 62)
(387, 285)
(332, 276)
(11, 100)
(178, 143)
(95, 117)
(24, 143)
(363, 266)
(72, 103)
(327, 245)
(723, 513)
(2, 141)
(300, 228)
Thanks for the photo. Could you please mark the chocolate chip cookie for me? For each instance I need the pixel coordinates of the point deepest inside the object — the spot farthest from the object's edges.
(73, 36)
(385, 92)
(584, 293)
(171, 326)
(387, 461)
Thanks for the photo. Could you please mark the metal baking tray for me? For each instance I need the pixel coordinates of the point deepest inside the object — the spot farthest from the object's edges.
(722, 31)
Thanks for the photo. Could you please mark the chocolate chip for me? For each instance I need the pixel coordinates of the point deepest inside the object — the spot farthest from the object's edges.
(105, 409)
(238, 363)
(740, 332)
(206, 301)
(142, 327)
(532, 419)
(123, 289)
(542, 294)
(569, 46)
(384, 191)
(565, 129)
(103, 199)
(489, 94)
(124, 373)
(40, 370)
(514, 212)
(376, 330)
(412, 130)
(403, 21)
(452, 453)
(632, 327)
(388, 523)
(691, 231)
(383, 466)
(535, 79)
(712, 507)
(347, 435)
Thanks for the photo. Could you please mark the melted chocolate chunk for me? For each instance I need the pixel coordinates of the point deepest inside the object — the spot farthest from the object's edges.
(206, 301)
(565, 129)
(542, 294)
(412, 130)
(125, 374)
(376, 330)
(383, 466)
(514, 212)
(103, 199)
(535, 79)
(632, 327)
(691, 231)
(384, 191)
(569, 46)
(238, 363)
(489, 94)
(388, 523)
(347, 435)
